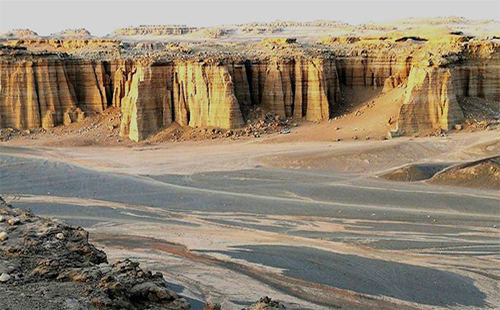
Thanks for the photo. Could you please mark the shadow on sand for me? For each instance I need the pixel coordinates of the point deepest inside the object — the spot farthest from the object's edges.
(367, 276)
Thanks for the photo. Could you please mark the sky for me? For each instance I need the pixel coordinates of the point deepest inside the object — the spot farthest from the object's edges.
(102, 17)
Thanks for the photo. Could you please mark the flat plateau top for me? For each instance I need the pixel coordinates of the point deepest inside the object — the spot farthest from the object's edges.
(319, 39)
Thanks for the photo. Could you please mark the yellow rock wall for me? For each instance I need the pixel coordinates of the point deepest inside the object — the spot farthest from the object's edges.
(190, 93)
(201, 94)
(299, 88)
(91, 84)
(382, 71)
(48, 91)
(433, 93)
(430, 101)
(34, 94)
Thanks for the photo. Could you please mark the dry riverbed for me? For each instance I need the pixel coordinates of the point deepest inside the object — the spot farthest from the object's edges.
(307, 223)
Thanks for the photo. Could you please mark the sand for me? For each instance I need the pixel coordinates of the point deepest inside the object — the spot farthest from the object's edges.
(288, 219)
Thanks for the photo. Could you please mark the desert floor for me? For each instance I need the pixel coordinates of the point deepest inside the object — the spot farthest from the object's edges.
(309, 223)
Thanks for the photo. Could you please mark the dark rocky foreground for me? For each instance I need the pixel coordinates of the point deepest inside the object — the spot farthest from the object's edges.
(47, 264)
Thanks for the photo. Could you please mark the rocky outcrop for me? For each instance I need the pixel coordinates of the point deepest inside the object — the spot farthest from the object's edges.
(39, 93)
(35, 94)
(65, 44)
(266, 303)
(484, 173)
(146, 102)
(91, 84)
(296, 88)
(57, 259)
(211, 88)
(72, 33)
(430, 102)
(437, 85)
(50, 92)
(377, 70)
(191, 94)
(20, 33)
(207, 94)
(154, 30)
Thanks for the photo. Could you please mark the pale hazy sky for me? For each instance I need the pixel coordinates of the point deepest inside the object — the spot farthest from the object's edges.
(102, 17)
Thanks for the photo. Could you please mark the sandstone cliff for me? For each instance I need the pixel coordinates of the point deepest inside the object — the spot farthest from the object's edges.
(41, 85)
(430, 102)
(436, 86)
(45, 92)
(206, 94)
(34, 94)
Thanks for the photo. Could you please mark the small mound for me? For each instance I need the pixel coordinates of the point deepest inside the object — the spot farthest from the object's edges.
(266, 303)
(210, 33)
(413, 173)
(20, 34)
(412, 38)
(72, 33)
(484, 174)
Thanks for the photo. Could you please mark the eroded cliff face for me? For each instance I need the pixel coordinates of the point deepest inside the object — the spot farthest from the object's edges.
(299, 88)
(189, 93)
(46, 90)
(377, 70)
(91, 84)
(207, 94)
(49, 92)
(435, 90)
(35, 94)
(430, 102)
(437, 77)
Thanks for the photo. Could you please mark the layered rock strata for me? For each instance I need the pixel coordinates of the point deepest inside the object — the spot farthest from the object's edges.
(437, 77)
(35, 94)
(44, 89)
(155, 30)
(436, 87)
(201, 94)
(48, 92)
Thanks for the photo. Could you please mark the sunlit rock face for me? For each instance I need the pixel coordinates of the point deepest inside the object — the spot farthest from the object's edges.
(153, 95)
(300, 88)
(436, 77)
(200, 94)
(430, 102)
(47, 89)
(435, 89)
(34, 94)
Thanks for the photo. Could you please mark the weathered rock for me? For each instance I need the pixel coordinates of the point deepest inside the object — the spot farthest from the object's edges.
(212, 306)
(430, 103)
(151, 291)
(41, 260)
(3, 236)
(155, 30)
(4, 277)
(34, 94)
(50, 92)
(14, 221)
(266, 303)
(200, 94)
(207, 86)
(484, 173)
